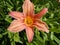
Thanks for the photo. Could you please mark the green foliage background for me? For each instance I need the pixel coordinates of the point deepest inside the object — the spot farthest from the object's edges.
(52, 18)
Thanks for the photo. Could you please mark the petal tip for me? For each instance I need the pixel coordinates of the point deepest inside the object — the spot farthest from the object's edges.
(47, 31)
(30, 40)
(10, 13)
(46, 9)
(9, 29)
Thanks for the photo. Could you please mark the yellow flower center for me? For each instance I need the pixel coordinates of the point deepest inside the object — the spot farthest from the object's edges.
(28, 21)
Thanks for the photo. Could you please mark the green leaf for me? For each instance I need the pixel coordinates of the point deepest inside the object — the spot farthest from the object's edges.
(56, 39)
(16, 37)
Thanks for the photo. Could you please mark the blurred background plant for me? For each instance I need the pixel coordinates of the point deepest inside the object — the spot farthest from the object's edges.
(52, 18)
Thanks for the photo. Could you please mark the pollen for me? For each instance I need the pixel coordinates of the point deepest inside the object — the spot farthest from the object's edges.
(28, 21)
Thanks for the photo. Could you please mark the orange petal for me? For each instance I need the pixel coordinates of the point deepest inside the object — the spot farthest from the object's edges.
(41, 13)
(41, 26)
(28, 8)
(16, 15)
(29, 33)
(16, 26)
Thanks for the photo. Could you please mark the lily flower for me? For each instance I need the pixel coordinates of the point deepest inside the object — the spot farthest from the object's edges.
(28, 20)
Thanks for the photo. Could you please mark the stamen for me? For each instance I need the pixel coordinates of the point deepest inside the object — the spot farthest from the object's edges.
(28, 21)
